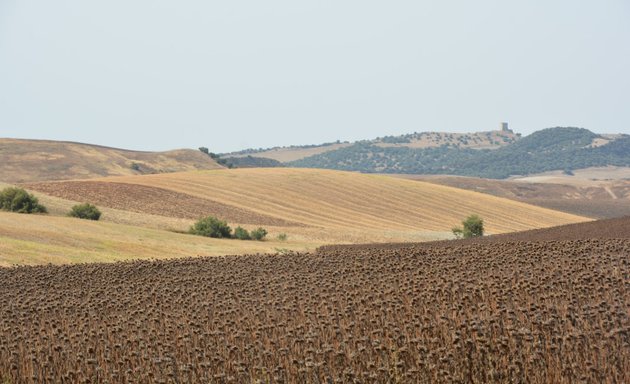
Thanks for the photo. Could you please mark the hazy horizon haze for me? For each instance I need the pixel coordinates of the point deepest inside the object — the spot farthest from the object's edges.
(158, 75)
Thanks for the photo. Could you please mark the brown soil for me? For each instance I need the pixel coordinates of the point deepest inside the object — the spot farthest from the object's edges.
(617, 228)
(519, 312)
(597, 199)
(152, 200)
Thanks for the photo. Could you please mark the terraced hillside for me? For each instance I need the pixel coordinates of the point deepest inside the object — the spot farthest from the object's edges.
(38, 160)
(332, 206)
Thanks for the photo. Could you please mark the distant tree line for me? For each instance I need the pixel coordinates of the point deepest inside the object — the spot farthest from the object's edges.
(561, 148)
(307, 146)
(250, 161)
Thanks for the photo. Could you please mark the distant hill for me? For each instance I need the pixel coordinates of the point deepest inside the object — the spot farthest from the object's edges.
(41, 160)
(476, 140)
(560, 148)
(250, 161)
(577, 194)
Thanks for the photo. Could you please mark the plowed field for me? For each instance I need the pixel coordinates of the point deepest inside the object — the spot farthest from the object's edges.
(511, 312)
(152, 200)
(618, 228)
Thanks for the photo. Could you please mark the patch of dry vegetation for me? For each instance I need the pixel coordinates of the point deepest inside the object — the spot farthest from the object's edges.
(510, 312)
(24, 161)
(36, 240)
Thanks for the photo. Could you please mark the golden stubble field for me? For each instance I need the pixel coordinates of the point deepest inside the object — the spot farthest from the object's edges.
(334, 199)
(313, 207)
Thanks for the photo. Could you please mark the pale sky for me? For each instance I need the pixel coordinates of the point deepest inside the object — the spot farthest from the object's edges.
(156, 75)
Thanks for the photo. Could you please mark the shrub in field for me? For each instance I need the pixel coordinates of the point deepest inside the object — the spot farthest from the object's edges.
(85, 211)
(242, 234)
(211, 227)
(282, 237)
(18, 200)
(472, 227)
(259, 234)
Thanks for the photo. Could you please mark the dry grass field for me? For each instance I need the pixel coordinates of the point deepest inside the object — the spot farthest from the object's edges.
(312, 207)
(336, 199)
(506, 312)
(332, 201)
(42, 239)
(36, 160)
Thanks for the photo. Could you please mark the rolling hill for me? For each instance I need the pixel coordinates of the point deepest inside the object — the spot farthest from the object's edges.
(417, 140)
(560, 148)
(38, 160)
(579, 194)
(318, 206)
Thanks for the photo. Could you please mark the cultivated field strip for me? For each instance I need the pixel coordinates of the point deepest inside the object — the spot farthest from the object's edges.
(517, 312)
(617, 228)
(332, 199)
(152, 200)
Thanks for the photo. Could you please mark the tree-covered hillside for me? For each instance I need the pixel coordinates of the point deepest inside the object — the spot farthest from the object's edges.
(251, 162)
(560, 148)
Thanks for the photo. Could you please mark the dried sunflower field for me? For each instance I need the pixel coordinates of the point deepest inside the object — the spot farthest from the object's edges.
(517, 312)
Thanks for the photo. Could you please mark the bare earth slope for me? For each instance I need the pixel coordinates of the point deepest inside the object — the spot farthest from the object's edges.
(152, 200)
(344, 200)
(580, 196)
(39, 160)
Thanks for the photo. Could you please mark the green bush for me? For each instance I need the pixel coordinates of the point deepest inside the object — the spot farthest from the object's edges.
(242, 234)
(18, 200)
(259, 234)
(211, 227)
(282, 237)
(85, 211)
(472, 227)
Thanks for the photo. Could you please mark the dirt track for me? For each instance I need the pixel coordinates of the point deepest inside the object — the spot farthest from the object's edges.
(152, 200)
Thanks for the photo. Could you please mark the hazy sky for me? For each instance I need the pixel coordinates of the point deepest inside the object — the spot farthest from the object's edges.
(233, 74)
